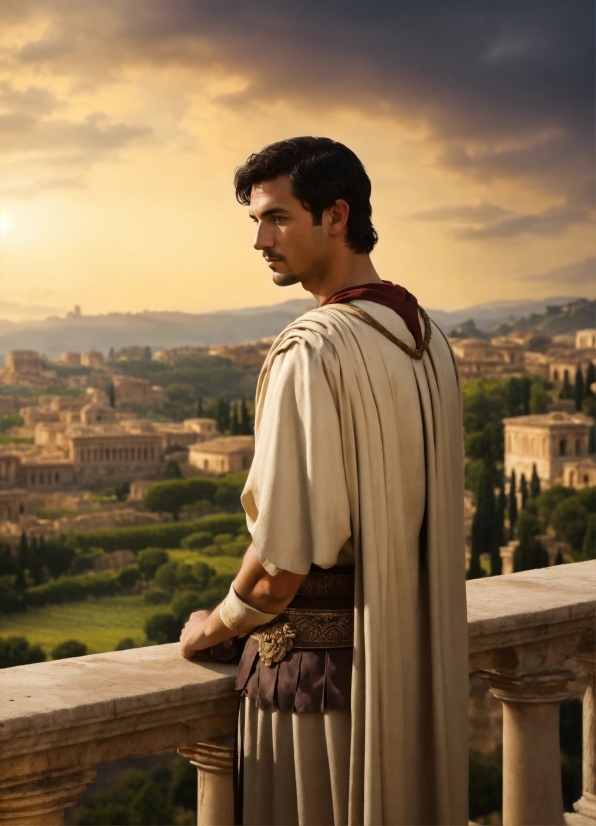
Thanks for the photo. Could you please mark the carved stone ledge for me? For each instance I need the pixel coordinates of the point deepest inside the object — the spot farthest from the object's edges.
(42, 798)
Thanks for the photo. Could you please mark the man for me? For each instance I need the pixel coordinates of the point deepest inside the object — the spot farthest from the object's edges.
(354, 676)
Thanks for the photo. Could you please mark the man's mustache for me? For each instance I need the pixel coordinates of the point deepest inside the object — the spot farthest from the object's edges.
(273, 256)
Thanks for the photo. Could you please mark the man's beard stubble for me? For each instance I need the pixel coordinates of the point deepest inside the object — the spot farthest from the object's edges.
(281, 279)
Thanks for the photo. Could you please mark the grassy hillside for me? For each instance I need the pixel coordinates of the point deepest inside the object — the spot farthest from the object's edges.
(99, 623)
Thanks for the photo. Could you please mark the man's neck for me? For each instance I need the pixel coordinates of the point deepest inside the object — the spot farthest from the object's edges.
(351, 270)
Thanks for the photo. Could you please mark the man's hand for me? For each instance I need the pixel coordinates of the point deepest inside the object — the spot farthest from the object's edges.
(192, 634)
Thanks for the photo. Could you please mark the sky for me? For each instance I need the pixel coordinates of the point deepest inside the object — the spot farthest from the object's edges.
(122, 121)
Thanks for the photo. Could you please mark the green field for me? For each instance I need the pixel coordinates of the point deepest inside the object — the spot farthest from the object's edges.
(99, 623)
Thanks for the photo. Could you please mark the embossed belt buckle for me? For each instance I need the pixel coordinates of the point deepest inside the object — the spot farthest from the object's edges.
(275, 641)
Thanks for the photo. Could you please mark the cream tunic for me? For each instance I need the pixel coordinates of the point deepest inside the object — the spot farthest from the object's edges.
(359, 451)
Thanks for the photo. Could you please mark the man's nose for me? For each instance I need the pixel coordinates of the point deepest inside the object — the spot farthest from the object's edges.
(263, 238)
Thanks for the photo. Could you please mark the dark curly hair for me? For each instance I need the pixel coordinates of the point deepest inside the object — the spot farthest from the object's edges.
(321, 171)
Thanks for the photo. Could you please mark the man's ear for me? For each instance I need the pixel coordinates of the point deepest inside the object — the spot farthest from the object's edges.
(338, 217)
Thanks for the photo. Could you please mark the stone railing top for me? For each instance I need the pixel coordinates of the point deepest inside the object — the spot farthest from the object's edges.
(101, 689)
(517, 607)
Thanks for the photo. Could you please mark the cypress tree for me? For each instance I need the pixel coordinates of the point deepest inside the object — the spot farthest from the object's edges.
(512, 505)
(245, 426)
(233, 421)
(567, 389)
(534, 483)
(221, 416)
(112, 394)
(590, 379)
(523, 489)
(578, 389)
(500, 508)
(200, 407)
(22, 563)
(483, 524)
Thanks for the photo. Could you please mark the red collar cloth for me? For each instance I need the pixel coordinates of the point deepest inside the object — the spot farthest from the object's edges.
(390, 295)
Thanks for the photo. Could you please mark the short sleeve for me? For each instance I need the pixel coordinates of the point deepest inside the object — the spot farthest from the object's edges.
(296, 498)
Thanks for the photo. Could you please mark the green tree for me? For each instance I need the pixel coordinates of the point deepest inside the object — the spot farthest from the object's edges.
(567, 390)
(529, 553)
(22, 563)
(570, 521)
(523, 490)
(500, 509)
(7, 562)
(483, 523)
(539, 398)
(578, 389)
(590, 379)
(162, 627)
(183, 605)
(147, 353)
(233, 421)
(245, 424)
(169, 496)
(150, 560)
(512, 504)
(172, 470)
(534, 483)
(112, 394)
(16, 650)
(68, 648)
(125, 644)
(589, 543)
(200, 413)
(112, 354)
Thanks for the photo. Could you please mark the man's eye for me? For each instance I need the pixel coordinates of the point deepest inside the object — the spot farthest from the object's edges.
(277, 219)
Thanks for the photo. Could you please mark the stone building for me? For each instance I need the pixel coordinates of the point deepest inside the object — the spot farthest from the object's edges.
(186, 433)
(12, 504)
(548, 441)
(113, 452)
(174, 354)
(93, 358)
(585, 339)
(25, 367)
(498, 358)
(249, 355)
(137, 394)
(228, 454)
(580, 473)
(70, 359)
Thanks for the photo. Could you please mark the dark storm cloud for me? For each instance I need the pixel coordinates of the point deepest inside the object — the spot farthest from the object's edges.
(581, 273)
(506, 88)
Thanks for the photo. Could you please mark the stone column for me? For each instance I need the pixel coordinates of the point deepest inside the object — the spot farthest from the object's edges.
(532, 793)
(585, 807)
(215, 764)
(41, 800)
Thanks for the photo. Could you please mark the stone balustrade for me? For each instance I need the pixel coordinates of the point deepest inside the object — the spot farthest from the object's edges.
(529, 634)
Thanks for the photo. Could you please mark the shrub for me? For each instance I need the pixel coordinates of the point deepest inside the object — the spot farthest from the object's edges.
(10, 599)
(18, 651)
(200, 539)
(166, 576)
(138, 537)
(150, 560)
(570, 520)
(529, 553)
(125, 644)
(589, 544)
(68, 648)
(175, 575)
(77, 588)
(162, 627)
(486, 782)
(157, 596)
(183, 605)
(85, 561)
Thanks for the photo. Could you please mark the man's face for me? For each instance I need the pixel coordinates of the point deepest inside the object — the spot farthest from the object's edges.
(295, 250)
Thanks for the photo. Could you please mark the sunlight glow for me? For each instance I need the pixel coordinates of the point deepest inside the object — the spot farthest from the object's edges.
(4, 224)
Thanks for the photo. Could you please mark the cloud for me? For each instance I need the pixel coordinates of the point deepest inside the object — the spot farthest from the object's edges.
(550, 222)
(486, 220)
(484, 212)
(580, 273)
(505, 89)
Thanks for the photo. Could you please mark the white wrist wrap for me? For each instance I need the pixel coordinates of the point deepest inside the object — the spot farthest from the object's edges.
(240, 617)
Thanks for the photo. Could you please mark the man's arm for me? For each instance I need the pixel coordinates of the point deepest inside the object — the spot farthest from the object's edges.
(255, 587)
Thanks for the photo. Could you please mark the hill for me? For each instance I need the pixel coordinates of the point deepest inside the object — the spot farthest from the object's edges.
(53, 335)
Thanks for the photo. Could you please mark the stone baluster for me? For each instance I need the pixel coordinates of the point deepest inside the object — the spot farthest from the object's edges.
(532, 793)
(41, 800)
(215, 791)
(585, 807)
